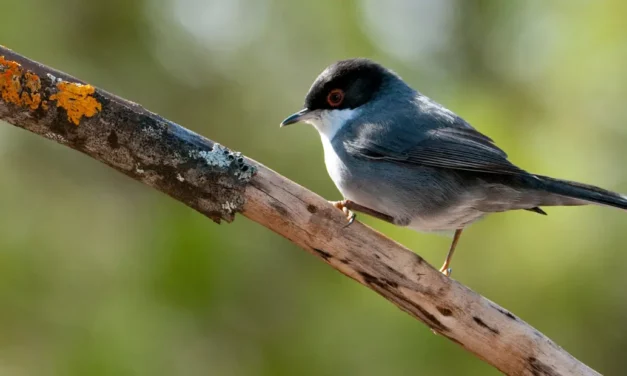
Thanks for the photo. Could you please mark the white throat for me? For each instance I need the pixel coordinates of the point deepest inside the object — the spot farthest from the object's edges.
(329, 122)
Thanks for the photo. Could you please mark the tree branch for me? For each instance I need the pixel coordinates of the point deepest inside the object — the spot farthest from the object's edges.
(218, 182)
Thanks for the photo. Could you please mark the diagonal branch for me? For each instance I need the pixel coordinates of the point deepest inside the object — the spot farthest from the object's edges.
(218, 182)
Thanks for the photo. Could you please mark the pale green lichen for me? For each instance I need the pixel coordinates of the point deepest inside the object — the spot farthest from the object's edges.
(55, 137)
(218, 156)
(230, 207)
(138, 169)
(246, 172)
(222, 157)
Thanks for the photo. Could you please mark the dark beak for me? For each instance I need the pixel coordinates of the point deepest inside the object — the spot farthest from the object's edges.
(295, 118)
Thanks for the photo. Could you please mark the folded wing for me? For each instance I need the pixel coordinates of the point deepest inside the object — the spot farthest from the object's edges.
(456, 148)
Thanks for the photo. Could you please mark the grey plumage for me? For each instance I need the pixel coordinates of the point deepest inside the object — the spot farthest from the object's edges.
(394, 150)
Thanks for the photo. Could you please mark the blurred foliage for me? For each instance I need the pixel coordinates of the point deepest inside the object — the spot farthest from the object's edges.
(100, 275)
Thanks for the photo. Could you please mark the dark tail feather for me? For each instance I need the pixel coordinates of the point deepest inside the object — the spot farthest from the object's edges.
(537, 210)
(581, 193)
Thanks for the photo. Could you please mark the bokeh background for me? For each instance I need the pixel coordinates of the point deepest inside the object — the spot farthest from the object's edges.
(100, 275)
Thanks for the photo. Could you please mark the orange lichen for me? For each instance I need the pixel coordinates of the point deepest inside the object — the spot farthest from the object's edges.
(10, 86)
(23, 88)
(18, 87)
(77, 100)
(33, 84)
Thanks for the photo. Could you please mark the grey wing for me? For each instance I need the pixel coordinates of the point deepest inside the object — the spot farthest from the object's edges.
(457, 147)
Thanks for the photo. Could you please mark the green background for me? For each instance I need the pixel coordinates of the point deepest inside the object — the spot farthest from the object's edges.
(100, 275)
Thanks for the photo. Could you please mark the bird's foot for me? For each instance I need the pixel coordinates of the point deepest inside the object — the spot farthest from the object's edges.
(446, 271)
(350, 216)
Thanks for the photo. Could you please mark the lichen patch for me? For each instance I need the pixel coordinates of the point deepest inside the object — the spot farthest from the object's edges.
(220, 156)
(19, 87)
(77, 100)
(229, 207)
(23, 88)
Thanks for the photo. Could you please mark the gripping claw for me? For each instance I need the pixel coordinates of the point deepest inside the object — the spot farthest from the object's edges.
(350, 216)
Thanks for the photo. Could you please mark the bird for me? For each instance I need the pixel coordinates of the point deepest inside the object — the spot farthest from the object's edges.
(400, 156)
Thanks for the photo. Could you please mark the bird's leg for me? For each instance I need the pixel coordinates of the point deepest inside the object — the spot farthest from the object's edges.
(371, 212)
(445, 269)
(348, 207)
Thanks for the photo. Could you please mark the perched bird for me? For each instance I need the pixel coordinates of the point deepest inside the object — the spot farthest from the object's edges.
(398, 155)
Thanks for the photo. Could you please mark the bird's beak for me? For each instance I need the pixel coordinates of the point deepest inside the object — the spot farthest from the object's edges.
(295, 118)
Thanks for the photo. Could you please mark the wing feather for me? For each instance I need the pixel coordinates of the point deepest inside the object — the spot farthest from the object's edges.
(453, 147)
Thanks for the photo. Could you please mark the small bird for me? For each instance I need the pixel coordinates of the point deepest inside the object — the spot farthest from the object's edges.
(398, 155)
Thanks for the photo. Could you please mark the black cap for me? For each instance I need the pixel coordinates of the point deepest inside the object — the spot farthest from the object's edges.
(356, 80)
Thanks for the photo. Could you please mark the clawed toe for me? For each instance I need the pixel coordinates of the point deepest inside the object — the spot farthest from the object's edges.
(338, 204)
(350, 216)
(446, 271)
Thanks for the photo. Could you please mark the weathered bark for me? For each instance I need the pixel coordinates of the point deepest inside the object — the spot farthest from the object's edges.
(219, 183)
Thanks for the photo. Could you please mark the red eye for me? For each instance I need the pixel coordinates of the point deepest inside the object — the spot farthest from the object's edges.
(335, 97)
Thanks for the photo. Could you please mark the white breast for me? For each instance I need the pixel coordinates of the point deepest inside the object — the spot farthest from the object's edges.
(328, 123)
(335, 166)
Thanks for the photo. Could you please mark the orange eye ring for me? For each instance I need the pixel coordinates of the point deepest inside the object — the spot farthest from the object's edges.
(335, 97)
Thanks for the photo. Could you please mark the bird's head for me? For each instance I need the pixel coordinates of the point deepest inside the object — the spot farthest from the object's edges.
(339, 92)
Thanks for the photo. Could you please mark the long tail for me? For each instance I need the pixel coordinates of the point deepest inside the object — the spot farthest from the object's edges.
(572, 193)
